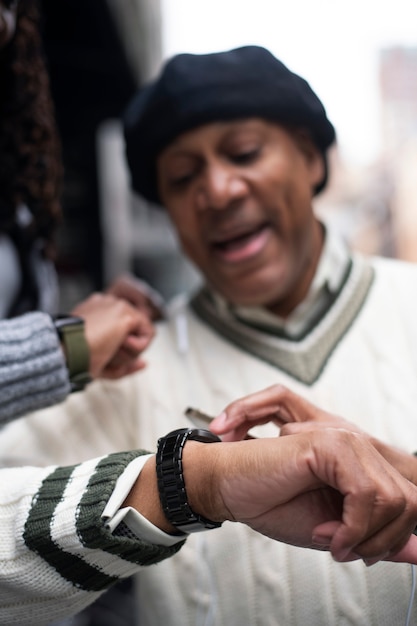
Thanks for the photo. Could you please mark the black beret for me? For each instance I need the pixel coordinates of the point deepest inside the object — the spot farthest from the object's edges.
(193, 90)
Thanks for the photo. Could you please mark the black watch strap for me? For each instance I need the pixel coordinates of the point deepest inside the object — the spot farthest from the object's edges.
(70, 331)
(171, 486)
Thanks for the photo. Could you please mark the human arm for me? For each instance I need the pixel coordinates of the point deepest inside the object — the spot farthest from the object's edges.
(285, 488)
(33, 372)
(33, 369)
(57, 554)
(291, 488)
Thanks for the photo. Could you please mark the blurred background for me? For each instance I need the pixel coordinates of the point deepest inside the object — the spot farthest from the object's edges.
(360, 58)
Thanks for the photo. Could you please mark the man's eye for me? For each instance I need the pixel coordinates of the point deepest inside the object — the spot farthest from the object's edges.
(246, 157)
(181, 181)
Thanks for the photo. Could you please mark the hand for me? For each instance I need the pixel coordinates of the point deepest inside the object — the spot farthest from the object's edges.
(300, 490)
(140, 295)
(294, 414)
(303, 490)
(277, 404)
(116, 334)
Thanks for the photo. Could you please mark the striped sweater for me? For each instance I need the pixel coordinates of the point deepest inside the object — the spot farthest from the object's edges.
(56, 553)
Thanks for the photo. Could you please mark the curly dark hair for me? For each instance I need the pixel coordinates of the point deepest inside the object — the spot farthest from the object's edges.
(30, 152)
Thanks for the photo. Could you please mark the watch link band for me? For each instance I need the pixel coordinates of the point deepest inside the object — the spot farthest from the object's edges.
(171, 486)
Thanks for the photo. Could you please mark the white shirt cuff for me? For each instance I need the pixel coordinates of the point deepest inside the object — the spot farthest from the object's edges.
(113, 515)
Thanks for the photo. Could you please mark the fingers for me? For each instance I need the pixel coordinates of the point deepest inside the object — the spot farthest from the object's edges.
(328, 489)
(139, 331)
(135, 344)
(389, 537)
(276, 404)
(379, 505)
(256, 409)
(323, 535)
(116, 334)
(114, 371)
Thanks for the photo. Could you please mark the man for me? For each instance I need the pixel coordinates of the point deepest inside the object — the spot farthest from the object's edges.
(234, 146)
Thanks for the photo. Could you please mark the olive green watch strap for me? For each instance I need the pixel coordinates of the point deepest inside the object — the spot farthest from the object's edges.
(70, 330)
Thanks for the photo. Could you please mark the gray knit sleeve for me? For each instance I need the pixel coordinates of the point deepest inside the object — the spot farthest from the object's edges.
(33, 372)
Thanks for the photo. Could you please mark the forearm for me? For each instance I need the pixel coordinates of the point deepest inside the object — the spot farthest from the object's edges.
(232, 481)
(33, 372)
(55, 528)
(287, 487)
(144, 498)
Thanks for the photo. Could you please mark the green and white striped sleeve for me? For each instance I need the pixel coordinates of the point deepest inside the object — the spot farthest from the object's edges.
(56, 553)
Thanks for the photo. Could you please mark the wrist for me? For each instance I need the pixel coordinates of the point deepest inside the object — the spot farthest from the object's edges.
(144, 498)
(171, 480)
(201, 466)
(70, 331)
(404, 463)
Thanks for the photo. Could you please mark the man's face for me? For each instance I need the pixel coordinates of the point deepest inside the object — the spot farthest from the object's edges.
(239, 194)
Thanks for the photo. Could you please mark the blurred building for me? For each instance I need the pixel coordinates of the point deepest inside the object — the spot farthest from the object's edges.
(398, 90)
(99, 53)
(375, 207)
(398, 84)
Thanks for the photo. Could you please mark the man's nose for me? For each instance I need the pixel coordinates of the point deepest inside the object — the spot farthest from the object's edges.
(220, 187)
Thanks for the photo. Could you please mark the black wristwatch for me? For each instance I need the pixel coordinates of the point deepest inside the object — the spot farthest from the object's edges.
(171, 486)
(70, 331)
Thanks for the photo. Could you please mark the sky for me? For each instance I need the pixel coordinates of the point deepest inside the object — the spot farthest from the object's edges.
(334, 45)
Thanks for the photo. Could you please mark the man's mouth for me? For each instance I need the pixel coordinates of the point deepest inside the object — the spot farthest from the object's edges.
(242, 246)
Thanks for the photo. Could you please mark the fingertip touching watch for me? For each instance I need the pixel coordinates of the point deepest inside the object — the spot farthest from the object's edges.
(171, 485)
(70, 331)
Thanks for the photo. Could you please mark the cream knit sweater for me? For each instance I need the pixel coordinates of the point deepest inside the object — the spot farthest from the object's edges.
(233, 576)
(56, 553)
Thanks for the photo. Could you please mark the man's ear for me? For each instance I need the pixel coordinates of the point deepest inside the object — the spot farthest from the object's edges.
(312, 154)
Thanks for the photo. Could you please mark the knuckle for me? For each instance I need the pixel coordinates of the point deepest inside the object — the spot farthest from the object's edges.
(279, 390)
